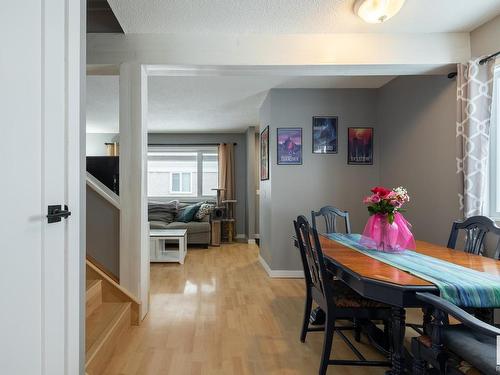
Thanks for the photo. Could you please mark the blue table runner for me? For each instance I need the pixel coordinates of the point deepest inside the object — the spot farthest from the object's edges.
(460, 285)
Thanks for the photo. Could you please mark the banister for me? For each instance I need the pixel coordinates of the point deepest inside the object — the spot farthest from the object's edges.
(103, 190)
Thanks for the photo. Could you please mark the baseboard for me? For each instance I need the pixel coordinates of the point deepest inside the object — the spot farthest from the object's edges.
(251, 241)
(280, 274)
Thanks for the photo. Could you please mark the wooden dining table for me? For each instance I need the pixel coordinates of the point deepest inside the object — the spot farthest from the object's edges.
(382, 282)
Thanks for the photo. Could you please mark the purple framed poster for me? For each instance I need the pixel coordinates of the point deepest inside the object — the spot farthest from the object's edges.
(289, 146)
(360, 146)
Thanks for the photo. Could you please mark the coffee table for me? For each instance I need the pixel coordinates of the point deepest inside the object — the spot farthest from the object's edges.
(158, 240)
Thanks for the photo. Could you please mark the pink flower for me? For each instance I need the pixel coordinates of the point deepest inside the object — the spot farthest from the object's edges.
(395, 203)
(381, 191)
(367, 200)
(375, 198)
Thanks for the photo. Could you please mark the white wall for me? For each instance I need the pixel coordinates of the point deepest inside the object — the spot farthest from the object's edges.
(485, 40)
(321, 179)
(96, 143)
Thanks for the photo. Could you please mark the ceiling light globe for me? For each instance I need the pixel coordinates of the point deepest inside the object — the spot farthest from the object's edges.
(377, 11)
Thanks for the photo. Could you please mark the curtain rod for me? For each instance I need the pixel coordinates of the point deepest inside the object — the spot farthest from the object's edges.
(188, 144)
(487, 58)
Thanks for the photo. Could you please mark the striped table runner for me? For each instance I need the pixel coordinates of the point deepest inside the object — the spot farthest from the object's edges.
(461, 286)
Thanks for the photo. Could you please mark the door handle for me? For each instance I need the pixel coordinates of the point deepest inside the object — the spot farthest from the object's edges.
(55, 213)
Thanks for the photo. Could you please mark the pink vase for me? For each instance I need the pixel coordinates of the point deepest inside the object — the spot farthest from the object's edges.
(388, 237)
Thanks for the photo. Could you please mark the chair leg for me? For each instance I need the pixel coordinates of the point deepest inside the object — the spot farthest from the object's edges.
(327, 343)
(357, 330)
(307, 313)
(418, 367)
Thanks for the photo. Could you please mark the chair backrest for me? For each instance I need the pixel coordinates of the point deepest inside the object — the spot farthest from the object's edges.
(312, 256)
(476, 228)
(330, 215)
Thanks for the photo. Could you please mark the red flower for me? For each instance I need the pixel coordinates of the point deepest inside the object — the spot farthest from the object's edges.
(381, 191)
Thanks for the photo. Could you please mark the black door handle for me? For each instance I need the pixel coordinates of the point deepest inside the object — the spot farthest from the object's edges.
(55, 213)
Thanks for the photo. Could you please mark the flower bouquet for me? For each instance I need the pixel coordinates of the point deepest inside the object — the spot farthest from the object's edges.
(387, 230)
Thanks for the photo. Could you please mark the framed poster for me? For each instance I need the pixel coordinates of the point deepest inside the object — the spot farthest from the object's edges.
(289, 146)
(325, 134)
(264, 154)
(360, 146)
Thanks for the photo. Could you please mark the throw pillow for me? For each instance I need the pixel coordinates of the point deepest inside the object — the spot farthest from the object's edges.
(205, 209)
(188, 213)
(162, 211)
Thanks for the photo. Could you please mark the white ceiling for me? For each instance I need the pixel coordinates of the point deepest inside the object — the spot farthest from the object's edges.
(295, 16)
(204, 104)
(227, 103)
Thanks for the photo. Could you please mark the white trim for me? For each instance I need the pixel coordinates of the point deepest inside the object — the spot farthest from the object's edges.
(251, 241)
(103, 190)
(281, 274)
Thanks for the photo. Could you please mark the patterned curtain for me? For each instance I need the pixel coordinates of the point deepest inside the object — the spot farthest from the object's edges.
(474, 92)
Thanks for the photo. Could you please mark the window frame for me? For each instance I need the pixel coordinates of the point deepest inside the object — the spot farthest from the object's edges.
(181, 183)
(199, 150)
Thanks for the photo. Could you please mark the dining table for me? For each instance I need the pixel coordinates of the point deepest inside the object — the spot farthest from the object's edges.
(380, 281)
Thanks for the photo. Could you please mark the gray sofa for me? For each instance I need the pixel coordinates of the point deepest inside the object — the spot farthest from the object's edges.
(162, 216)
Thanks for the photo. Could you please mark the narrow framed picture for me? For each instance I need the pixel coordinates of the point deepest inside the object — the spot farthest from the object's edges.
(264, 154)
(325, 134)
(360, 146)
(289, 146)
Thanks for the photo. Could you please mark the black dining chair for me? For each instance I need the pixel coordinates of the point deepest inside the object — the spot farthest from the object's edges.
(335, 298)
(476, 228)
(330, 215)
(457, 348)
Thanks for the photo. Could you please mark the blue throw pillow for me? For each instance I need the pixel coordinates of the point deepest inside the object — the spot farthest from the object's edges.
(188, 213)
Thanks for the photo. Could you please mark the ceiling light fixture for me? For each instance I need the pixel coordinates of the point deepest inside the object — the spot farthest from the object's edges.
(377, 11)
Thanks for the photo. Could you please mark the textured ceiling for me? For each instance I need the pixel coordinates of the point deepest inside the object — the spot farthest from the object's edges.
(295, 16)
(203, 104)
(227, 103)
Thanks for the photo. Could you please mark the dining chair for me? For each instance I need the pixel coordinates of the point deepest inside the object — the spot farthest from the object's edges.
(330, 215)
(476, 228)
(335, 298)
(454, 349)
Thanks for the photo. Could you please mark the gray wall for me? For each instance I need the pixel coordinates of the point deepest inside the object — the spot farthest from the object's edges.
(416, 117)
(322, 179)
(103, 232)
(240, 156)
(265, 187)
(96, 141)
(251, 182)
(485, 40)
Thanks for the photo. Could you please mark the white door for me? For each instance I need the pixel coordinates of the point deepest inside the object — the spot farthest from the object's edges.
(41, 262)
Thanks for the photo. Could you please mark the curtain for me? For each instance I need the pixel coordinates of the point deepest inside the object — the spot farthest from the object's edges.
(226, 170)
(474, 93)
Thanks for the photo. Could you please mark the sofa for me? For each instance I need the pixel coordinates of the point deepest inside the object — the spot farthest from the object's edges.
(166, 215)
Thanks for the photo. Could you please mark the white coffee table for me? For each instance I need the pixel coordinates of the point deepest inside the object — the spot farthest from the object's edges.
(157, 250)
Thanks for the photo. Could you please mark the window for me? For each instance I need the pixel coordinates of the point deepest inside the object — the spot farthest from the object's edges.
(182, 171)
(494, 196)
(180, 182)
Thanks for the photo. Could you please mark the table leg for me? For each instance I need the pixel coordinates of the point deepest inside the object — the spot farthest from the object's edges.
(398, 335)
(182, 249)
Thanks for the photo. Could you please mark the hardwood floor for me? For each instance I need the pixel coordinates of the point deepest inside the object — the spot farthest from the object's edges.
(220, 313)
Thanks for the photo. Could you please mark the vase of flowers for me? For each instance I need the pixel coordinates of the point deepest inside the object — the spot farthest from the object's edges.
(387, 230)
